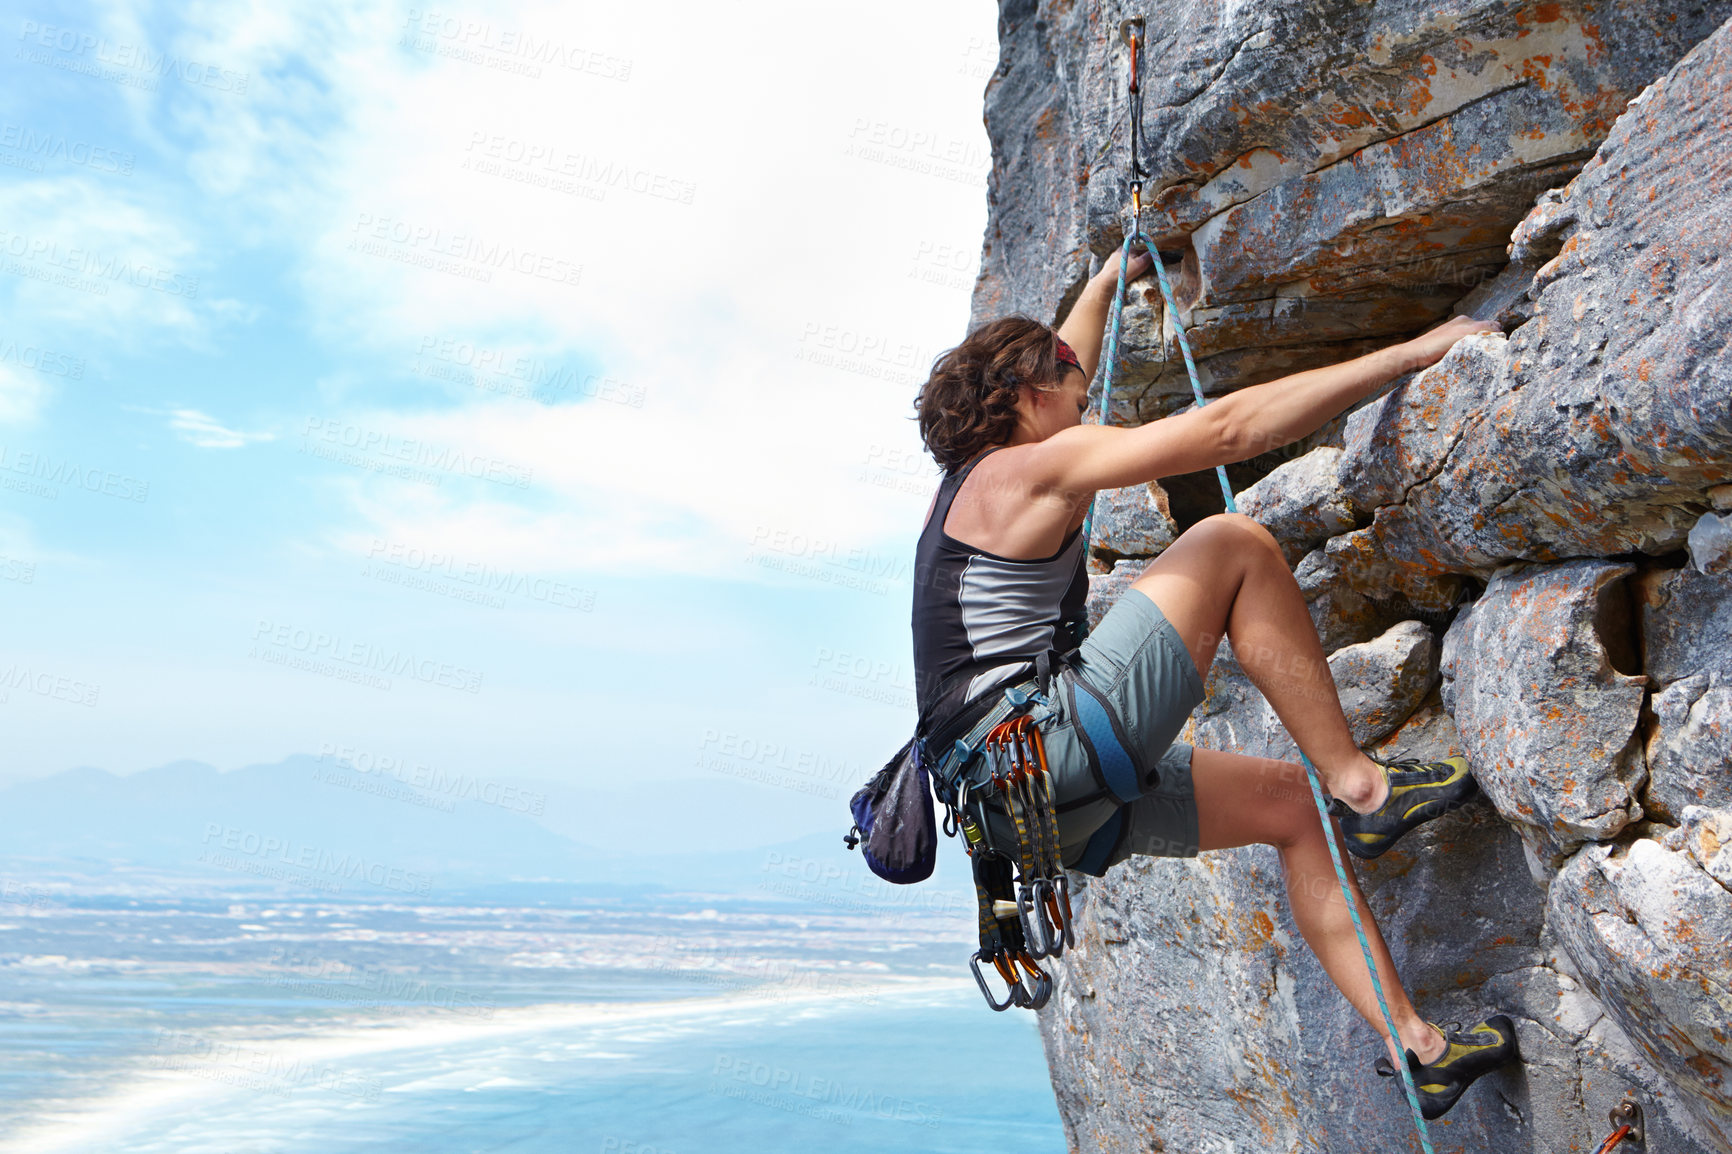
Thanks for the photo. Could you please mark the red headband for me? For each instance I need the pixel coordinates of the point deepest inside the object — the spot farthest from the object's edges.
(1066, 355)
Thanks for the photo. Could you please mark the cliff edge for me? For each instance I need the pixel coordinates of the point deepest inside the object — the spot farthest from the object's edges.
(1519, 554)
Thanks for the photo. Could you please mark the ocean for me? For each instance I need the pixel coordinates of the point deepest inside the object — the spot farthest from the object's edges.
(144, 1020)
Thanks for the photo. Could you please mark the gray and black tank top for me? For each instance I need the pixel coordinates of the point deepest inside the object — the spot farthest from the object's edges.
(980, 620)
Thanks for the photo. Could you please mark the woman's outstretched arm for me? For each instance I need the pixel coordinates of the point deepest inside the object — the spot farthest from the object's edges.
(1241, 424)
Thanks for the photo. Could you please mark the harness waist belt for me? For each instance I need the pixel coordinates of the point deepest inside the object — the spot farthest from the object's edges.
(950, 747)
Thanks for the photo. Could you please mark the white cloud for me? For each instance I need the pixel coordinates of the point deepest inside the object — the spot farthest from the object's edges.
(18, 537)
(775, 326)
(205, 431)
(20, 396)
(112, 268)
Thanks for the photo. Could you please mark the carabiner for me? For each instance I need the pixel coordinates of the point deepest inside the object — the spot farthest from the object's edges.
(1067, 918)
(1019, 749)
(1011, 997)
(1131, 32)
(1037, 747)
(953, 817)
(1028, 912)
(1033, 999)
(1062, 886)
(1043, 910)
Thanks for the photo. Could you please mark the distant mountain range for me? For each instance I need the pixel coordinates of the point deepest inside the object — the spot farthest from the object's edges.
(312, 825)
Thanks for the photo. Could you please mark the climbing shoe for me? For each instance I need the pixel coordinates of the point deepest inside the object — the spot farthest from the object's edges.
(1418, 792)
(1470, 1053)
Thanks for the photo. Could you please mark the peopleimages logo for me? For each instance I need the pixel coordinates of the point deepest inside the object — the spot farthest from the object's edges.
(383, 235)
(373, 987)
(41, 146)
(23, 679)
(489, 153)
(83, 262)
(528, 374)
(483, 577)
(799, 1091)
(449, 786)
(44, 361)
(439, 460)
(776, 763)
(226, 843)
(314, 644)
(480, 42)
(43, 467)
(255, 1068)
(81, 51)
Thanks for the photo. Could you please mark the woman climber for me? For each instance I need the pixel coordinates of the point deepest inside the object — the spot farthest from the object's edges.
(1001, 593)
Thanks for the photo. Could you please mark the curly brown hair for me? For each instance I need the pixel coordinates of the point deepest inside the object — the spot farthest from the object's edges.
(969, 401)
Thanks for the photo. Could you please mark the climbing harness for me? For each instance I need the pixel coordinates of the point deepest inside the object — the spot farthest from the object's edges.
(990, 758)
(1132, 32)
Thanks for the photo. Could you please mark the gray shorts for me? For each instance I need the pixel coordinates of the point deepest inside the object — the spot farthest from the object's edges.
(1137, 660)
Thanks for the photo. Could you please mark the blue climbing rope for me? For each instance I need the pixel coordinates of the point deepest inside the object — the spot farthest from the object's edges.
(1135, 235)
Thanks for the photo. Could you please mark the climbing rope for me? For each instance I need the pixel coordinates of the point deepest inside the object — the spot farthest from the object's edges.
(1132, 32)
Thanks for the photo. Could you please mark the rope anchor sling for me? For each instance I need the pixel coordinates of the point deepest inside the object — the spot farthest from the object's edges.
(1132, 33)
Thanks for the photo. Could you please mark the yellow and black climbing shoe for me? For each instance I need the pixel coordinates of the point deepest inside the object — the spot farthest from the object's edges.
(1470, 1053)
(1418, 792)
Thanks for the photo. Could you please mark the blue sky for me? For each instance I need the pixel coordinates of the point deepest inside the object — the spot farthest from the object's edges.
(524, 387)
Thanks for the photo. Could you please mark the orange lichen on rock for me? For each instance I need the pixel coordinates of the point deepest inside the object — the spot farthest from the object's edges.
(1536, 74)
(1351, 116)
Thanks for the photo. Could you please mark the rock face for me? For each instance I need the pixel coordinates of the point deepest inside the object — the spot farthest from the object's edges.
(1687, 625)
(1131, 522)
(1381, 683)
(1546, 716)
(1302, 503)
(1517, 554)
(1649, 924)
(1332, 174)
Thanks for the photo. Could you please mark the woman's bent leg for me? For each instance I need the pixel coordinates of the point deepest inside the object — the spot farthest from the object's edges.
(1226, 576)
(1245, 800)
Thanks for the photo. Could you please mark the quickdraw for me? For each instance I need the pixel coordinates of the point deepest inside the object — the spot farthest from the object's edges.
(1029, 916)
(1043, 894)
(1002, 944)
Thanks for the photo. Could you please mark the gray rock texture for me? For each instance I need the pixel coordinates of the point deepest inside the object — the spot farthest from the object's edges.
(1331, 174)
(1546, 717)
(1356, 589)
(1686, 622)
(1496, 552)
(1600, 425)
(1380, 683)
(1710, 543)
(1649, 924)
(1302, 502)
(1105, 588)
(1131, 522)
